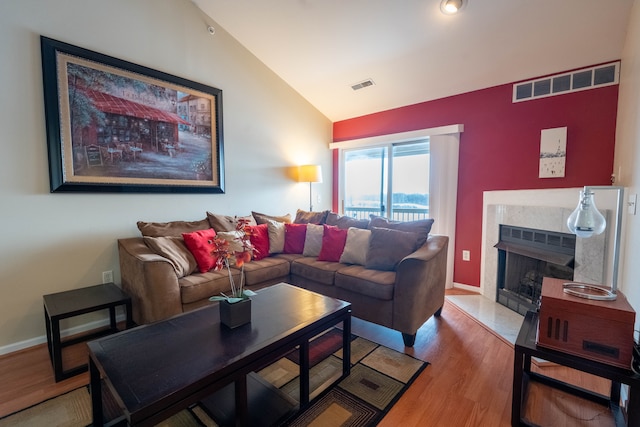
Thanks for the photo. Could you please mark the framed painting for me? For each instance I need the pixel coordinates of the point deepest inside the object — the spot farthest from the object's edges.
(115, 126)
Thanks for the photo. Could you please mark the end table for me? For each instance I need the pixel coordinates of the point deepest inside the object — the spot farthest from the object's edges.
(63, 305)
(526, 348)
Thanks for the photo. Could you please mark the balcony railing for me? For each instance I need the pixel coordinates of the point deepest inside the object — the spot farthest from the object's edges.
(399, 214)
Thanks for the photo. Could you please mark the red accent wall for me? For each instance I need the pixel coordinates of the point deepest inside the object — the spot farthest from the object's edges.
(500, 147)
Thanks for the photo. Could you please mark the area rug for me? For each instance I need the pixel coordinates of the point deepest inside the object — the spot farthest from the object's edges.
(379, 377)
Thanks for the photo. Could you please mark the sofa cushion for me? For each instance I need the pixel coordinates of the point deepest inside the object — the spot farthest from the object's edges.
(294, 235)
(173, 228)
(260, 240)
(313, 240)
(196, 287)
(174, 249)
(276, 236)
(200, 244)
(333, 240)
(422, 226)
(226, 222)
(346, 221)
(269, 268)
(372, 283)
(356, 246)
(304, 217)
(387, 247)
(318, 271)
(264, 218)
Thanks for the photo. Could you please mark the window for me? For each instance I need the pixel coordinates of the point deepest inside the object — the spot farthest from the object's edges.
(390, 181)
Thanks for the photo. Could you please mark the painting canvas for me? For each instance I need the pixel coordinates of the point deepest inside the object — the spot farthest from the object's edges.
(553, 152)
(120, 127)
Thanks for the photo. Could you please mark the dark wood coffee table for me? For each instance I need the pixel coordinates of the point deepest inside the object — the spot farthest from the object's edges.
(154, 371)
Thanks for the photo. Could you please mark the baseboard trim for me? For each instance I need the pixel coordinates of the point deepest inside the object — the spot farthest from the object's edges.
(469, 288)
(32, 342)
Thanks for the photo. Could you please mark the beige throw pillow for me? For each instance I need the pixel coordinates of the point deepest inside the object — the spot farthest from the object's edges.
(226, 222)
(173, 249)
(356, 247)
(264, 218)
(276, 236)
(173, 228)
(313, 240)
(231, 237)
(305, 217)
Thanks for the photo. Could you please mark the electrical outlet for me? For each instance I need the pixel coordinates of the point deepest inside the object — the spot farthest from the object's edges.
(466, 255)
(107, 276)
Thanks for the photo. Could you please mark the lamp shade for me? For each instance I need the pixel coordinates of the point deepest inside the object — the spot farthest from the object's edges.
(310, 173)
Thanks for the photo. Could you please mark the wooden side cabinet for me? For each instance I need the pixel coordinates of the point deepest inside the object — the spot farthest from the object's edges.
(526, 348)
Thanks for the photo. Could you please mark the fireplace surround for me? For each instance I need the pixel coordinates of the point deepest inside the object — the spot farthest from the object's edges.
(543, 210)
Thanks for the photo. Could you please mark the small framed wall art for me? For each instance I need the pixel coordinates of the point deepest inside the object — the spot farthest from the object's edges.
(553, 152)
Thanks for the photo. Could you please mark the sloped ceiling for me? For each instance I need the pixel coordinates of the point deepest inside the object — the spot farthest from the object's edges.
(412, 51)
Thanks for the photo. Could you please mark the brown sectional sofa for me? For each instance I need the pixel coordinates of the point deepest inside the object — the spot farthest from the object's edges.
(402, 298)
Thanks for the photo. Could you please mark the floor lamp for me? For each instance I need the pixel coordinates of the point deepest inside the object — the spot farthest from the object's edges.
(310, 174)
(586, 221)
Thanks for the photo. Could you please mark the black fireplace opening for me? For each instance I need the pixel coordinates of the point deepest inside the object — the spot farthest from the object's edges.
(525, 256)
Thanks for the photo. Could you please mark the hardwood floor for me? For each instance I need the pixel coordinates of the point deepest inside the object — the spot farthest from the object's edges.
(467, 384)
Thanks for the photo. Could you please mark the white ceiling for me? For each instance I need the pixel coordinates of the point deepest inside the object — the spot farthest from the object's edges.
(412, 51)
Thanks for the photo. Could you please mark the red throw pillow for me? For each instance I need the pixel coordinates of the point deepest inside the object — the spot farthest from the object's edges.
(333, 241)
(260, 241)
(200, 244)
(294, 236)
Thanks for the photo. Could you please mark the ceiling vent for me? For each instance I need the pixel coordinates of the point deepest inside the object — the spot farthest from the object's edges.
(363, 84)
(574, 81)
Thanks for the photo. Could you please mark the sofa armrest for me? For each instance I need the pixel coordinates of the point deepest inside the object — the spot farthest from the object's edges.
(150, 280)
(420, 285)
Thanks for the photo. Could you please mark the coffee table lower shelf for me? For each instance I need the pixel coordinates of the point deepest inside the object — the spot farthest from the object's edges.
(269, 405)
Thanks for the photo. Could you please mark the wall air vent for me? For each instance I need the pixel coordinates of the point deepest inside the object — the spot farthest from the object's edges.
(362, 84)
(586, 78)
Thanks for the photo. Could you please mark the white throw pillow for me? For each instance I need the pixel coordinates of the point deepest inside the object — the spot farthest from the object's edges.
(313, 240)
(356, 247)
(276, 236)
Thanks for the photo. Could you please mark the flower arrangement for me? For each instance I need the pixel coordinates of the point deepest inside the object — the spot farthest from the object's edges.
(223, 255)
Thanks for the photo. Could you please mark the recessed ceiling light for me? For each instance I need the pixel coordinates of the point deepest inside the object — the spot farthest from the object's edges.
(450, 7)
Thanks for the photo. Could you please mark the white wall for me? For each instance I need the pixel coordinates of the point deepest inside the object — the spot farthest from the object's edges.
(627, 156)
(54, 242)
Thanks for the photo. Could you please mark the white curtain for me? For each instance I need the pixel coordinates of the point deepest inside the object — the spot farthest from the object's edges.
(443, 191)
